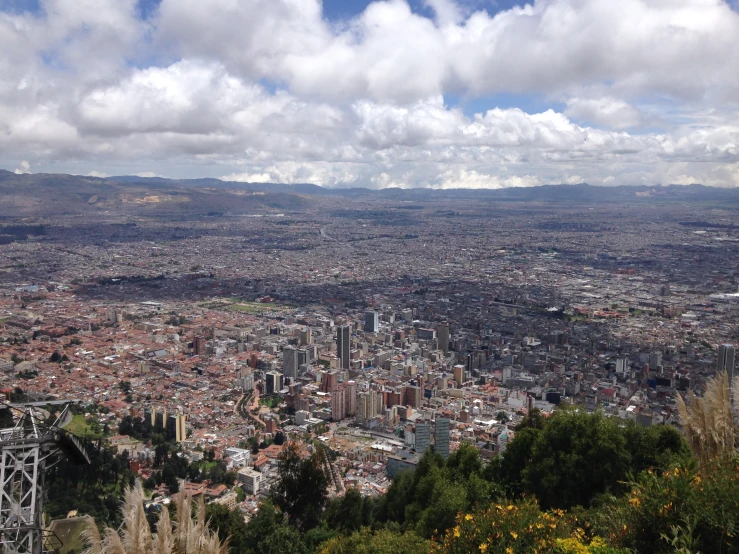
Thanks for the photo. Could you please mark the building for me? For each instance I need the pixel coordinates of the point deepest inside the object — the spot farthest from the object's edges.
(199, 345)
(442, 437)
(459, 374)
(350, 398)
(371, 322)
(338, 404)
(330, 381)
(273, 382)
(343, 346)
(403, 460)
(423, 437)
(442, 332)
(250, 480)
(725, 362)
(290, 362)
(177, 427)
(412, 396)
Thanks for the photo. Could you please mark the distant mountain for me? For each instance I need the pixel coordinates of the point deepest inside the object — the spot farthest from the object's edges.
(45, 195)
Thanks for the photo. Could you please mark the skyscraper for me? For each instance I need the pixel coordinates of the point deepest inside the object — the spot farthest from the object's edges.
(338, 404)
(442, 332)
(343, 345)
(371, 322)
(726, 360)
(290, 362)
(442, 437)
(423, 433)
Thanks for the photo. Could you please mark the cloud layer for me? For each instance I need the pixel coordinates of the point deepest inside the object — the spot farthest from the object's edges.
(558, 91)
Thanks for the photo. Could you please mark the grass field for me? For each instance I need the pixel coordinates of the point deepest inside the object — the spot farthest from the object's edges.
(82, 428)
(68, 531)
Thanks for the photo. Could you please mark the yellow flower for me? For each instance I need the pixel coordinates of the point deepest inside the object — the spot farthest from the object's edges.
(468, 517)
(635, 501)
(456, 531)
(483, 547)
(514, 534)
(510, 507)
(509, 550)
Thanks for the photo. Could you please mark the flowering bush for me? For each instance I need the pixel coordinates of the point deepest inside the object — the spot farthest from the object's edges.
(682, 509)
(517, 528)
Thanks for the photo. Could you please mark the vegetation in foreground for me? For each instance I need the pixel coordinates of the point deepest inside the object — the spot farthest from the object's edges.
(571, 483)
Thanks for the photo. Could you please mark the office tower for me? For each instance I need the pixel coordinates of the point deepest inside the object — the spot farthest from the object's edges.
(726, 360)
(371, 322)
(303, 357)
(423, 434)
(442, 332)
(306, 337)
(442, 437)
(273, 382)
(343, 345)
(338, 404)
(290, 362)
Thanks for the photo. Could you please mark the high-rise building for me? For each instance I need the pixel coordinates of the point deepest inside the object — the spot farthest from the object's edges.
(343, 345)
(338, 404)
(655, 360)
(273, 382)
(371, 322)
(726, 355)
(442, 437)
(177, 427)
(290, 362)
(412, 396)
(329, 381)
(350, 398)
(459, 374)
(306, 337)
(199, 345)
(442, 332)
(423, 434)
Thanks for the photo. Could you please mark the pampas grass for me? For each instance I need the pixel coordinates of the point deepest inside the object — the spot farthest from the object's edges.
(190, 535)
(708, 422)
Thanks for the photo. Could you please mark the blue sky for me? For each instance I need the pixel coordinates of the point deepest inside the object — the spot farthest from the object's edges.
(430, 93)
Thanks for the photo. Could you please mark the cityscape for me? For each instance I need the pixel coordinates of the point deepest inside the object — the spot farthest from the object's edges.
(379, 329)
(369, 276)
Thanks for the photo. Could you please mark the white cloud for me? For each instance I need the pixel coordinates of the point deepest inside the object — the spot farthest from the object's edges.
(269, 90)
(25, 167)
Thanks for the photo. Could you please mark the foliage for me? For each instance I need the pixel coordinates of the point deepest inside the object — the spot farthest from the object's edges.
(379, 542)
(301, 491)
(576, 456)
(707, 421)
(698, 509)
(188, 535)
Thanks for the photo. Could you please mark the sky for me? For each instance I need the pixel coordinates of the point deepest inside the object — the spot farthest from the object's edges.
(363, 93)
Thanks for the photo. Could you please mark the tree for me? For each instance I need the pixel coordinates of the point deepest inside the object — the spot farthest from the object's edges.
(301, 489)
(575, 457)
(348, 514)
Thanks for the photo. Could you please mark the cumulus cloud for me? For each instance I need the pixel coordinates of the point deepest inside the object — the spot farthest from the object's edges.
(639, 92)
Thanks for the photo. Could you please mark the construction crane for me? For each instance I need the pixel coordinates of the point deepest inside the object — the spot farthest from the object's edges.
(27, 451)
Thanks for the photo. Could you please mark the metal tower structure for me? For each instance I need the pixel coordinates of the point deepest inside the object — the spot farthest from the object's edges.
(27, 450)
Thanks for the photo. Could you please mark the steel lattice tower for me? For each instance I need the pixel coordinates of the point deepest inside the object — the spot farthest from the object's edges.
(26, 452)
